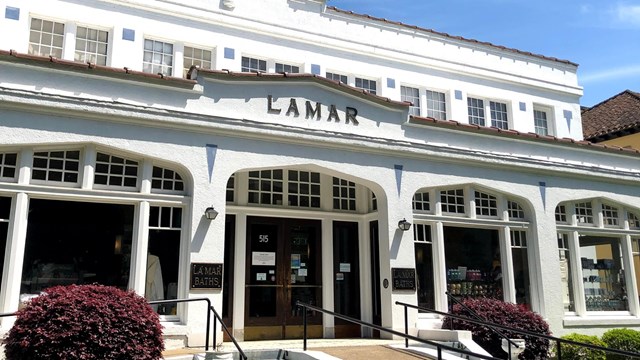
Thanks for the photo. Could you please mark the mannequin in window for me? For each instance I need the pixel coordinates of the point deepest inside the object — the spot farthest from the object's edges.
(154, 289)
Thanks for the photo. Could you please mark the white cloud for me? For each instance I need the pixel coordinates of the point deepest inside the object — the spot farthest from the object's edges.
(627, 14)
(611, 74)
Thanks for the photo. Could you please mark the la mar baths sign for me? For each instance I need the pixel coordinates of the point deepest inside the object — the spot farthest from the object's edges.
(311, 110)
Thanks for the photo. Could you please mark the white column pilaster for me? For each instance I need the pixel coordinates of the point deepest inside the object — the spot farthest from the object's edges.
(327, 277)
(14, 256)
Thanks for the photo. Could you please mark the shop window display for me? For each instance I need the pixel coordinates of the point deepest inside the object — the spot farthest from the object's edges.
(76, 243)
(602, 274)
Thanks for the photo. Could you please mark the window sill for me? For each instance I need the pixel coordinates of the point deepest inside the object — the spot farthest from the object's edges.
(601, 320)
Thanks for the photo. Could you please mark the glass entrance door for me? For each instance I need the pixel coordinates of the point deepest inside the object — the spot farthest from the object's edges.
(283, 267)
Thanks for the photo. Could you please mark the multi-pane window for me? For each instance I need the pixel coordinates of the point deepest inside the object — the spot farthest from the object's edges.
(411, 95)
(561, 214)
(452, 201)
(634, 221)
(166, 179)
(610, 215)
(421, 201)
(366, 84)
(515, 210)
(518, 239)
(540, 122)
(436, 105)
(265, 187)
(584, 213)
(499, 116)
(91, 45)
(46, 38)
(57, 166)
(115, 171)
(520, 266)
(423, 246)
(194, 56)
(565, 272)
(231, 187)
(253, 65)
(158, 57)
(161, 217)
(337, 77)
(286, 68)
(475, 109)
(8, 165)
(304, 189)
(486, 205)
(422, 233)
(163, 257)
(344, 194)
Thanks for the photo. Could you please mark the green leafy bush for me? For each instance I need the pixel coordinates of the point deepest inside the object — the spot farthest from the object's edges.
(622, 339)
(574, 352)
(88, 322)
(506, 314)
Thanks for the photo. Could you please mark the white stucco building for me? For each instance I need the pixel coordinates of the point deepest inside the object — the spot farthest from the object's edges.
(313, 132)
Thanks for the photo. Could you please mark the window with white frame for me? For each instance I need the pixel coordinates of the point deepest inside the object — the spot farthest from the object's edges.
(287, 68)
(540, 122)
(436, 105)
(634, 221)
(337, 77)
(515, 210)
(421, 201)
(561, 214)
(158, 57)
(635, 253)
(8, 165)
(486, 204)
(166, 180)
(231, 189)
(367, 85)
(194, 56)
(499, 115)
(520, 260)
(424, 265)
(91, 45)
(303, 188)
(61, 166)
(475, 110)
(46, 38)
(344, 194)
(600, 256)
(565, 272)
(114, 170)
(412, 95)
(266, 187)
(163, 256)
(250, 64)
(452, 201)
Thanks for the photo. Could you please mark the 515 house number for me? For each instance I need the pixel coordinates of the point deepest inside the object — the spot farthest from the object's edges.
(263, 238)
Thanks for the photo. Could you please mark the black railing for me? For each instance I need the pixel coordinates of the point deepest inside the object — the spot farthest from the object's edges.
(439, 347)
(558, 341)
(217, 318)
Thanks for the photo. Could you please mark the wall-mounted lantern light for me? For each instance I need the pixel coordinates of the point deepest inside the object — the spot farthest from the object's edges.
(210, 213)
(404, 225)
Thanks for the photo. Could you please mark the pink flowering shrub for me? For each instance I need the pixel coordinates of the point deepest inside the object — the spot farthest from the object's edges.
(85, 322)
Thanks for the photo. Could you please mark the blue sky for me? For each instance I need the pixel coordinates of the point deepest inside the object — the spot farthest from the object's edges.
(602, 36)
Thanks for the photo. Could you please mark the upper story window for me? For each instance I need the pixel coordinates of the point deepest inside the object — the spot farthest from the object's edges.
(561, 214)
(367, 85)
(196, 56)
(477, 109)
(412, 95)
(91, 45)
(436, 105)
(344, 194)
(253, 65)
(46, 38)
(8, 165)
(286, 68)
(337, 77)
(540, 122)
(56, 166)
(452, 201)
(116, 171)
(584, 213)
(158, 57)
(610, 215)
(515, 210)
(166, 179)
(486, 204)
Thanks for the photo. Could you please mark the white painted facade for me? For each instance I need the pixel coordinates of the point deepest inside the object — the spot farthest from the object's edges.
(219, 124)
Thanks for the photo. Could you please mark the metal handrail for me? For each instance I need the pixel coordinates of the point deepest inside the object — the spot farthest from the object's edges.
(478, 317)
(226, 329)
(438, 346)
(558, 341)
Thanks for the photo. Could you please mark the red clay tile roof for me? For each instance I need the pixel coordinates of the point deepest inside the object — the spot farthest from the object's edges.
(612, 118)
(483, 43)
(293, 77)
(455, 125)
(90, 68)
